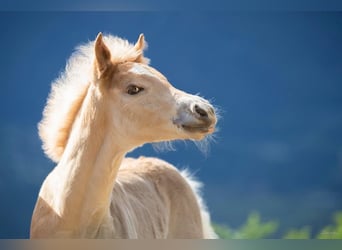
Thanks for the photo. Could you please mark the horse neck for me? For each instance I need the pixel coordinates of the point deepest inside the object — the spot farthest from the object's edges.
(87, 171)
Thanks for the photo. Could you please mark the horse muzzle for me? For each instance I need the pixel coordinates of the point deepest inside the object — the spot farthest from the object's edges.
(199, 118)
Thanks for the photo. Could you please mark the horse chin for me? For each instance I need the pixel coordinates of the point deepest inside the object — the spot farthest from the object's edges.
(196, 132)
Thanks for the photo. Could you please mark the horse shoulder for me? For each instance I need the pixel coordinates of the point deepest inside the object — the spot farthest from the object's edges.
(174, 191)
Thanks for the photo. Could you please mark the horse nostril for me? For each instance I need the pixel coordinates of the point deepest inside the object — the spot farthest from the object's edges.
(201, 111)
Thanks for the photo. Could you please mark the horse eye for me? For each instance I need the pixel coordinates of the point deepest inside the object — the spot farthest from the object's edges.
(133, 90)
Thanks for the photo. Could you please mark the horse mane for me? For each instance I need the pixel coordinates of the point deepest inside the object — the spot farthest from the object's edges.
(70, 88)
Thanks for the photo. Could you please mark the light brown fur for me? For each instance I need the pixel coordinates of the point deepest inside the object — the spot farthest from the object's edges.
(95, 192)
(165, 204)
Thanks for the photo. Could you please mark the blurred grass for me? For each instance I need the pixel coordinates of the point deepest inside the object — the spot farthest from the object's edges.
(255, 228)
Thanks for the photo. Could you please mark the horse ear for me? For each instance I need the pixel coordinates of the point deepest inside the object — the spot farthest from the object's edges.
(139, 46)
(102, 55)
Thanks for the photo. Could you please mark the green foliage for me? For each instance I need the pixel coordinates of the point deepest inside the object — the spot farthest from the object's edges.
(303, 233)
(223, 232)
(254, 228)
(332, 231)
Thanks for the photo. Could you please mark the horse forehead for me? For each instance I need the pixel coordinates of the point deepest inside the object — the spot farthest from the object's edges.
(140, 69)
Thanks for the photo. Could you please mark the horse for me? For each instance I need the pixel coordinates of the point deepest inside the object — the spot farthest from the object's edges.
(106, 103)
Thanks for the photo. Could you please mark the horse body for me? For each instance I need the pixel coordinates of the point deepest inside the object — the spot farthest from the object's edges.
(164, 203)
(92, 119)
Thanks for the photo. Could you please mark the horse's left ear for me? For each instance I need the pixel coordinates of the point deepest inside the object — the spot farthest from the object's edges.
(102, 56)
(140, 46)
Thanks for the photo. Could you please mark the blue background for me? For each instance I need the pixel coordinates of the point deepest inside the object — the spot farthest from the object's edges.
(276, 76)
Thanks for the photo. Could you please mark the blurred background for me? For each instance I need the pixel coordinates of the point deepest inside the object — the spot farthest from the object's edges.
(276, 165)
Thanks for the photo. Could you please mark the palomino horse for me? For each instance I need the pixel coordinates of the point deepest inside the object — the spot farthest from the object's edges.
(106, 103)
